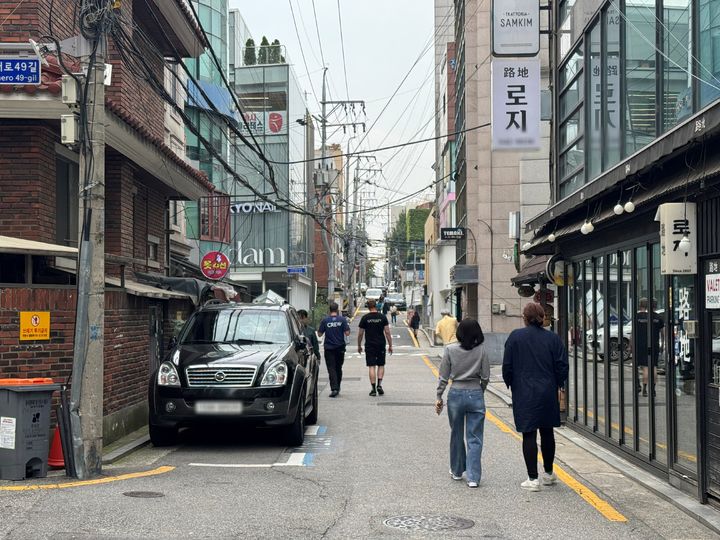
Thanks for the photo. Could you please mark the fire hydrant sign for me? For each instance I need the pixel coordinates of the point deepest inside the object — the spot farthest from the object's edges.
(214, 265)
(34, 325)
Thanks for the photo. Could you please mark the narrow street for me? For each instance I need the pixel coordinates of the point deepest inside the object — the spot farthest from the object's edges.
(367, 461)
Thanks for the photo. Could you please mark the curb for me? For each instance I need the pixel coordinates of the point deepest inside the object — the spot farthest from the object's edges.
(500, 394)
(126, 450)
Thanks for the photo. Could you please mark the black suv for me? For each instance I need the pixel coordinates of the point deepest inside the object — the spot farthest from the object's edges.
(247, 362)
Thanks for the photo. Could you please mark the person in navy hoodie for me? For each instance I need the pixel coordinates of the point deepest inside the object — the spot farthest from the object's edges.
(335, 328)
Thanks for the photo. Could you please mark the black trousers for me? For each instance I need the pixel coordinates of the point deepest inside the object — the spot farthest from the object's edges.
(530, 450)
(334, 359)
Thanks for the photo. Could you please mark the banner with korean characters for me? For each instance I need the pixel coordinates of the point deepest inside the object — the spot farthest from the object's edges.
(515, 104)
(677, 220)
(712, 284)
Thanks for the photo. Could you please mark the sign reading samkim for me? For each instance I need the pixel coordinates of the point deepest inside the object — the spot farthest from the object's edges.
(516, 27)
(452, 233)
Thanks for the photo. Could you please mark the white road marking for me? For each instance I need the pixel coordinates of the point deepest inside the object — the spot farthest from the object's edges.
(297, 459)
(312, 430)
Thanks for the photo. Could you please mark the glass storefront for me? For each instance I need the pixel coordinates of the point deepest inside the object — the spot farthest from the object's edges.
(630, 357)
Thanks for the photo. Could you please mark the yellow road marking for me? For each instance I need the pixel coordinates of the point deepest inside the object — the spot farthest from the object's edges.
(602, 506)
(415, 341)
(357, 310)
(94, 482)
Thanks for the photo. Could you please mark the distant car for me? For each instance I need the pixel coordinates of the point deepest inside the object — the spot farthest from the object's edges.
(397, 300)
(363, 288)
(241, 362)
(373, 294)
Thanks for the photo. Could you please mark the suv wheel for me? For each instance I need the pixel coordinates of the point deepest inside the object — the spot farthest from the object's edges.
(163, 436)
(294, 434)
(312, 418)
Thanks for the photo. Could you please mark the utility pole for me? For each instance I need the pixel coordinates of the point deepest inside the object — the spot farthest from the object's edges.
(86, 405)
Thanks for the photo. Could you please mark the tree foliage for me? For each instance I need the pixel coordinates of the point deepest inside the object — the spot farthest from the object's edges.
(275, 53)
(250, 58)
(263, 56)
(415, 224)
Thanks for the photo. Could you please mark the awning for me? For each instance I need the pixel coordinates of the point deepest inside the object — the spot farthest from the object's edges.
(532, 271)
(20, 246)
(140, 289)
(464, 273)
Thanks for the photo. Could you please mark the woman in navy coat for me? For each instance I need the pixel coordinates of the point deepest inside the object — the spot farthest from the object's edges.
(535, 365)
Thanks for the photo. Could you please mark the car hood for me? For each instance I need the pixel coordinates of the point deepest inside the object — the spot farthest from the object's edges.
(226, 354)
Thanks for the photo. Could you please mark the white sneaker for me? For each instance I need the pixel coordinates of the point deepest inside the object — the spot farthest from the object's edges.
(531, 485)
(549, 479)
(454, 476)
(472, 484)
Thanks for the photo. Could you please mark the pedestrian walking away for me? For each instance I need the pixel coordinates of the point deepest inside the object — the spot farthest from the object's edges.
(334, 327)
(393, 314)
(415, 323)
(374, 327)
(385, 308)
(309, 332)
(535, 367)
(446, 327)
(467, 364)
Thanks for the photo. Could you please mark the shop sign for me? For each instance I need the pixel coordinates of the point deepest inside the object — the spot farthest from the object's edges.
(265, 123)
(250, 256)
(452, 233)
(676, 221)
(214, 265)
(516, 27)
(252, 207)
(548, 293)
(515, 104)
(34, 325)
(712, 285)
(19, 70)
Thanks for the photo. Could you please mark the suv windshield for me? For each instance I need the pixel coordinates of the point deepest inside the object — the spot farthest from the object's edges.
(237, 326)
(373, 292)
(395, 297)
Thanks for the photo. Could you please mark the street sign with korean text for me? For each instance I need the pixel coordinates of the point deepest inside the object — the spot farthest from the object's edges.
(516, 27)
(452, 233)
(214, 265)
(34, 325)
(19, 70)
(515, 104)
(677, 220)
(296, 270)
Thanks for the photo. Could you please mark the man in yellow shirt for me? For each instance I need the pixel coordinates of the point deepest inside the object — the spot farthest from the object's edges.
(446, 327)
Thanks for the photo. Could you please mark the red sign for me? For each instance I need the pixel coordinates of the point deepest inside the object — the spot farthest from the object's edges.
(214, 265)
(549, 296)
(275, 121)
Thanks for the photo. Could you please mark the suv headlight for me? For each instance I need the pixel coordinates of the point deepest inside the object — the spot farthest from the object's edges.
(276, 375)
(168, 375)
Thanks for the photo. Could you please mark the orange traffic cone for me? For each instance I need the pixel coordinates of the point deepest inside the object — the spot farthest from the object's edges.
(56, 459)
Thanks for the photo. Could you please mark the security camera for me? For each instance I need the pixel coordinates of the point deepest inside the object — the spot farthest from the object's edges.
(38, 52)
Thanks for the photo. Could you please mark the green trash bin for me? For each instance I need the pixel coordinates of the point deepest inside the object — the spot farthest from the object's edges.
(25, 406)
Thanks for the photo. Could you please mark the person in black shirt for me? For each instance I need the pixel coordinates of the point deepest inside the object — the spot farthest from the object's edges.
(309, 332)
(376, 330)
(643, 348)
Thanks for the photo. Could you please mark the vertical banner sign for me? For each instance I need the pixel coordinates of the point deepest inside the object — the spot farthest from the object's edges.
(677, 220)
(515, 104)
(515, 27)
(712, 285)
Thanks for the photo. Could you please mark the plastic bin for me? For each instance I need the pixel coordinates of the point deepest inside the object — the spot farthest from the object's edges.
(25, 406)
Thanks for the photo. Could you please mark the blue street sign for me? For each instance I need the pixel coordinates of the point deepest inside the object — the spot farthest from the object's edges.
(297, 270)
(15, 70)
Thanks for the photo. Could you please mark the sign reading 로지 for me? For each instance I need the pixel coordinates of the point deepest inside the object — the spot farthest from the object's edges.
(452, 233)
(515, 104)
(515, 27)
(34, 325)
(677, 220)
(17, 70)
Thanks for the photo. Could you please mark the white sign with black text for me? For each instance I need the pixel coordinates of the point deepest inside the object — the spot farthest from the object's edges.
(677, 220)
(516, 27)
(515, 104)
(712, 291)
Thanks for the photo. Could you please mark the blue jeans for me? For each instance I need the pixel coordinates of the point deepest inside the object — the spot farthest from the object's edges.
(466, 412)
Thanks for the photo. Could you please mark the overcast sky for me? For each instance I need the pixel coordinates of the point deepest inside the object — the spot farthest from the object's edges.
(383, 39)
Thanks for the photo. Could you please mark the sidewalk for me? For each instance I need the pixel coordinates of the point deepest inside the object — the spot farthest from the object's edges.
(571, 444)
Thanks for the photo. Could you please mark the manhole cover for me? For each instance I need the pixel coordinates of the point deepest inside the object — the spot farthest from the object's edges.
(144, 494)
(428, 523)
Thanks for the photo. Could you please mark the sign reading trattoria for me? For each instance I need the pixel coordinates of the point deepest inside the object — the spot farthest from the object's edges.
(516, 27)
(452, 233)
(214, 265)
(252, 207)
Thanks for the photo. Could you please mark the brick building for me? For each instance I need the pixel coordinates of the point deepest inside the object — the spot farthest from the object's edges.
(39, 203)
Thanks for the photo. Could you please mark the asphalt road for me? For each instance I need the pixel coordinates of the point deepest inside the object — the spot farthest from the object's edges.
(371, 459)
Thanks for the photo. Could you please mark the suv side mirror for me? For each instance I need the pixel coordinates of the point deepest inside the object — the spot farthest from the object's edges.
(301, 342)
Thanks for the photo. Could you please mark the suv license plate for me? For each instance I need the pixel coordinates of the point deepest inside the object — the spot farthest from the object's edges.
(218, 407)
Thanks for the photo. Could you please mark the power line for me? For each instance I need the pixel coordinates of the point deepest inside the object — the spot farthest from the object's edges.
(342, 46)
(317, 28)
(302, 53)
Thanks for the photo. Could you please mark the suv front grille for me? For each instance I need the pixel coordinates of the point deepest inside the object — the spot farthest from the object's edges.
(237, 376)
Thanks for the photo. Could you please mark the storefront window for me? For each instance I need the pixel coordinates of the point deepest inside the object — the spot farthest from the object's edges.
(594, 109)
(581, 349)
(589, 342)
(683, 371)
(677, 79)
(613, 92)
(709, 51)
(640, 348)
(599, 330)
(628, 369)
(572, 339)
(612, 355)
(640, 76)
(658, 357)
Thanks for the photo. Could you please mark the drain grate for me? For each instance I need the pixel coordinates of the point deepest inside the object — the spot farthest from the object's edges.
(428, 523)
(144, 494)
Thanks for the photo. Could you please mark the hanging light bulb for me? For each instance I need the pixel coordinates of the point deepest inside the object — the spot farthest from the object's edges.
(619, 209)
(684, 244)
(629, 206)
(591, 227)
(551, 237)
(587, 227)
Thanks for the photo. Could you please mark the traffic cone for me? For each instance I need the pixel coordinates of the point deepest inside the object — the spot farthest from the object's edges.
(56, 459)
